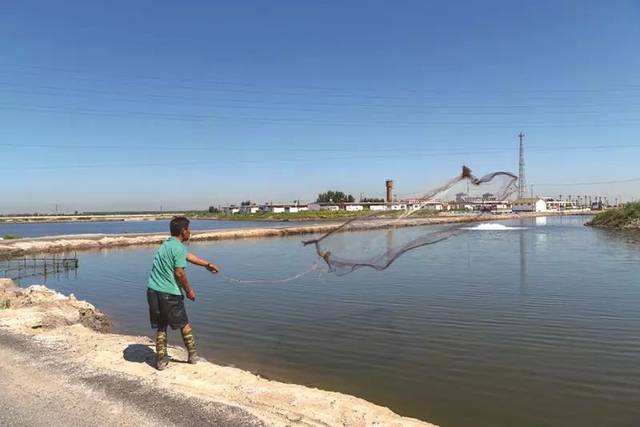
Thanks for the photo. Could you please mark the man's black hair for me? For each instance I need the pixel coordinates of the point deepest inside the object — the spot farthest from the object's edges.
(178, 224)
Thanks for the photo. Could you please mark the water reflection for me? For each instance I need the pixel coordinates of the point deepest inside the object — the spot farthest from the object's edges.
(523, 258)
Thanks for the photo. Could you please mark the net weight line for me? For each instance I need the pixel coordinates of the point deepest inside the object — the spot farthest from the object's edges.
(229, 279)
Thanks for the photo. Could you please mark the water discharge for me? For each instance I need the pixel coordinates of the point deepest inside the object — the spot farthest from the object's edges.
(492, 227)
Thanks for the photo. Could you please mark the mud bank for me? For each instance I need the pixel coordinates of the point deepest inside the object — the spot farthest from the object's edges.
(20, 247)
(65, 333)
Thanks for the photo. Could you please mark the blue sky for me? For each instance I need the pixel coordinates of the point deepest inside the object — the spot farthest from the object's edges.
(134, 105)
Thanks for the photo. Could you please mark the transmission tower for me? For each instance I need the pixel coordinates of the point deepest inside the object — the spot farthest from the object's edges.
(522, 183)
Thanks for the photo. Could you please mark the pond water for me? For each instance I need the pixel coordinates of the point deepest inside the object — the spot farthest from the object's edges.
(530, 322)
(121, 227)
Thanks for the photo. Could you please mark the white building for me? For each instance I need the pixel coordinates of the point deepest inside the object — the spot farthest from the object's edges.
(229, 210)
(322, 207)
(502, 208)
(378, 207)
(398, 206)
(249, 209)
(531, 204)
(353, 207)
(558, 205)
(273, 208)
(429, 206)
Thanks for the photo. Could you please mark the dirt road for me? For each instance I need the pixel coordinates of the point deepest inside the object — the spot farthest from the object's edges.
(45, 390)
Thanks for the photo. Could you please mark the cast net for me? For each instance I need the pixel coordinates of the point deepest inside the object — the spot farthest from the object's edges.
(378, 239)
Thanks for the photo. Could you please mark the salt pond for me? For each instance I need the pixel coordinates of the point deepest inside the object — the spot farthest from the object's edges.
(533, 326)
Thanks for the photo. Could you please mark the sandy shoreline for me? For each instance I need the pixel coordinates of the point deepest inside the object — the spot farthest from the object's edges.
(21, 247)
(62, 330)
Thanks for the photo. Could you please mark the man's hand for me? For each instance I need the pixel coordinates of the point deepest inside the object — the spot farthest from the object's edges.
(181, 277)
(194, 259)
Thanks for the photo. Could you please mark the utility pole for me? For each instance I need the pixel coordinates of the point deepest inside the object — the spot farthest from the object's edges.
(522, 183)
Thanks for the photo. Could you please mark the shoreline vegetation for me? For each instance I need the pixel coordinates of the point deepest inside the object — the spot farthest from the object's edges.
(266, 217)
(74, 336)
(52, 244)
(200, 215)
(623, 218)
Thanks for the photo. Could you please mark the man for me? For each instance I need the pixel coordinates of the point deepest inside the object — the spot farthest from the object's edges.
(166, 302)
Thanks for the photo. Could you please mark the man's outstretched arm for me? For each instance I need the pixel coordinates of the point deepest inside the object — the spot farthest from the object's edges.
(196, 260)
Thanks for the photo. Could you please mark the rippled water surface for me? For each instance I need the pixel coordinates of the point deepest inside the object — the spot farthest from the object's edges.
(537, 325)
(120, 227)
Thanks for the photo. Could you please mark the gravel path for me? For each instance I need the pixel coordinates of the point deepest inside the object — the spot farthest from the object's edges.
(39, 390)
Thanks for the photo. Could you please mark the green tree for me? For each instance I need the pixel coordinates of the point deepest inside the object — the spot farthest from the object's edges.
(333, 196)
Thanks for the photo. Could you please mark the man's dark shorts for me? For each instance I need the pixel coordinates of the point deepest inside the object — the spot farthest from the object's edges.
(166, 310)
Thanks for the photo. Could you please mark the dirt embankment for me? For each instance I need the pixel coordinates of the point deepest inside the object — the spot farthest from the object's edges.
(70, 335)
(29, 219)
(20, 247)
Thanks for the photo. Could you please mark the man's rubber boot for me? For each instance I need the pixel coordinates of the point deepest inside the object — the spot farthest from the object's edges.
(194, 358)
(190, 343)
(162, 359)
(161, 364)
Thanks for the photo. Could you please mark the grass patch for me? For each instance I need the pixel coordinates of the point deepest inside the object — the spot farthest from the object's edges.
(11, 237)
(317, 215)
(623, 217)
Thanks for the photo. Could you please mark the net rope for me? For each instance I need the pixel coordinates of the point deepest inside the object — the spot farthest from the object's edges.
(230, 279)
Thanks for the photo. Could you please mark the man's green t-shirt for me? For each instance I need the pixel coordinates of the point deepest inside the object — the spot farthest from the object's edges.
(172, 254)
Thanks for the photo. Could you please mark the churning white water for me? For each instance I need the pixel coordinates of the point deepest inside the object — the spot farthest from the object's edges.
(492, 227)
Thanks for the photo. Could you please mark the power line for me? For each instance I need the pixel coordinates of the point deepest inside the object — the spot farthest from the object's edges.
(108, 113)
(83, 75)
(180, 85)
(426, 151)
(290, 120)
(262, 161)
(619, 181)
(252, 104)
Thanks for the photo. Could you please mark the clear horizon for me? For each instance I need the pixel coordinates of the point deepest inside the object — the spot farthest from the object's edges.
(121, 107)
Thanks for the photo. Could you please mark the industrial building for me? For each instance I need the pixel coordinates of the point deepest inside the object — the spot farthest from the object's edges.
(529, 204)
(283, 208)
